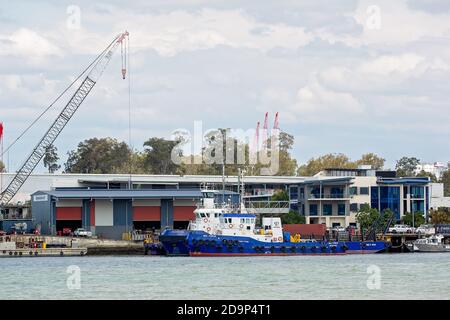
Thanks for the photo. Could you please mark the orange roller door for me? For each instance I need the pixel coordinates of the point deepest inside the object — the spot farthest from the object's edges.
(146, 213)
(68, 213)
(183, 213)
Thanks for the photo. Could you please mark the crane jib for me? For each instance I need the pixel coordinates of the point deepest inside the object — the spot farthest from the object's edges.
(48, 139)
(58, 125)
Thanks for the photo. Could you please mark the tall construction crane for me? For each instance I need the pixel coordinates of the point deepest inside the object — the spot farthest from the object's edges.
(96, 70)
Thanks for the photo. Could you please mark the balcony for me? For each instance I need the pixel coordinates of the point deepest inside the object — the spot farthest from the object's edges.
(329, 196)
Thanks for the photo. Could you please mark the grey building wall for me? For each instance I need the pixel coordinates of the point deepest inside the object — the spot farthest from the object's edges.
(42, 212)
(166, 213)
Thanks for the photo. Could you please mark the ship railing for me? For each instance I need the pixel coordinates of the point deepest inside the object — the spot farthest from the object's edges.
(267, 207)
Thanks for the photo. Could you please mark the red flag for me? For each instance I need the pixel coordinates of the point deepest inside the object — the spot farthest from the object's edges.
(1, 130)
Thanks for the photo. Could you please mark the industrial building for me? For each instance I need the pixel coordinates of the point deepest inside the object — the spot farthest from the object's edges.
(110, 213)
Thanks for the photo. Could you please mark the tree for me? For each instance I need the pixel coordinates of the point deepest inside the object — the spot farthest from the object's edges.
(418, 219)
(104, 155)
(445, 179)
(292, 217)
(157, 156)
(372, 159)
(387, 216)
(2, 167)
(280, 195)
(287, 165)
(232, 146)
(366, 217)
(427, 174)
(440, 216)
(330, 160)
(406, 165)
(51, 159)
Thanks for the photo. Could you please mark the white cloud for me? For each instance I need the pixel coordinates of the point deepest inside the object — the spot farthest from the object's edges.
(319, 104)
(399, 25)
(27, 43)
(387, 64)
(177, 31)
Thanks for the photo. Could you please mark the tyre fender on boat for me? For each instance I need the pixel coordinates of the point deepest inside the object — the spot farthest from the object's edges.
(241, 226)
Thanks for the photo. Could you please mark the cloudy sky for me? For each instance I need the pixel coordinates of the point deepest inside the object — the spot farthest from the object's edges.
(346, 76)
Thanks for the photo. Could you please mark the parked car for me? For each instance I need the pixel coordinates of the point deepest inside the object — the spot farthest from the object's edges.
(401, 228)
(426, 229)
(338, 229)
(80, 232)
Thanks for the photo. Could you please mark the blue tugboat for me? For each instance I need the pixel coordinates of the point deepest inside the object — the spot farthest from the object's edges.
(239, 237)
(225, 230)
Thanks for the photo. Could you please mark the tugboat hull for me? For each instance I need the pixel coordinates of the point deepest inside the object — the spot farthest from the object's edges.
(199, 243)
(364, 247)
(204, 244)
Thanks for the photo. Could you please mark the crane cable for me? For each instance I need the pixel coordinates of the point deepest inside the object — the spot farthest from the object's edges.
(57, 99)
(127, 64)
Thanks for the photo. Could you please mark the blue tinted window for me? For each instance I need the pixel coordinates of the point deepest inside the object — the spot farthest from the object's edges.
(327, 209)
(337, 191)
(293, 193)
(313, 209)
(417, 192)
(354, 207)
(364, 190)
(390, 199)
(294, 206)
(341, 209)
(315, 192)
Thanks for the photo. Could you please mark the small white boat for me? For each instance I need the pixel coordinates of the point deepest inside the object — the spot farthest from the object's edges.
(433, 243)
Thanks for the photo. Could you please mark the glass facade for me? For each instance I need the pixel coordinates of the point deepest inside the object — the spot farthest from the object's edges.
(353, 207)
(313, 209)
(417, 205)
(293, 193)
(364, 190)
(293, 206)
(315, 192)
(341, 209)
(327, 209)
(337, 192)
(374, 197)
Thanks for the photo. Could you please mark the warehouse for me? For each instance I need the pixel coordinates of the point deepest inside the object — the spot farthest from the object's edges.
(110, 213)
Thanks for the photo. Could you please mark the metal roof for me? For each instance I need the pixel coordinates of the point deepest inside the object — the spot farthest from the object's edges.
(123, 194)
(175, 179)
(416, 180)
(327, 180)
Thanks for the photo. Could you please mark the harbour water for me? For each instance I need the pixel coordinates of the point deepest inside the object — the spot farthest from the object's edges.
(375, 276)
